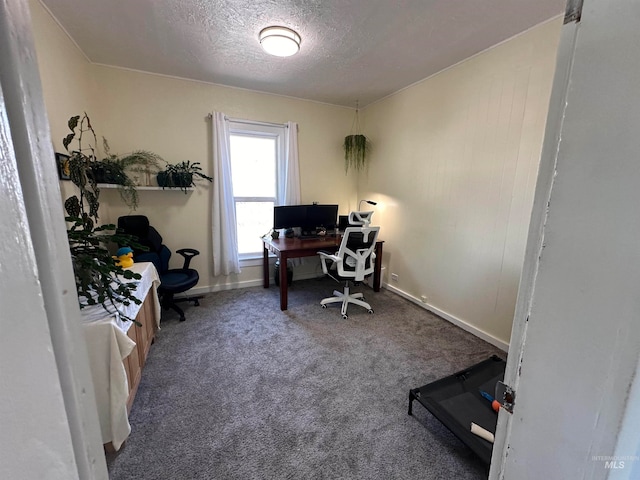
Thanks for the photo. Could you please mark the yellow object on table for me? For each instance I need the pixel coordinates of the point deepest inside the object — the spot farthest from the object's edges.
(124, 257)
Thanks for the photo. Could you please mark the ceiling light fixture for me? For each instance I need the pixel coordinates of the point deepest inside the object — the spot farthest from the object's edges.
(280, 41)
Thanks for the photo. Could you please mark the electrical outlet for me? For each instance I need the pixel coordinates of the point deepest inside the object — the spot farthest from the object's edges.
(394, 277)
(424, 298)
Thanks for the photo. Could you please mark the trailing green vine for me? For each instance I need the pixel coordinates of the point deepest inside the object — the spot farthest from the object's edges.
(356, 148)
(141, 161)
(99, 281)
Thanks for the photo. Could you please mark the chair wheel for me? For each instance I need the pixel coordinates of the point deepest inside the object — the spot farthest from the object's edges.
(182, 319)
(196, 303)
(323, 306)
(345, 316)
(370, 310)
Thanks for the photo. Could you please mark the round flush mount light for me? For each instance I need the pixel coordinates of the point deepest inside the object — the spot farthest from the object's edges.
(280, 41)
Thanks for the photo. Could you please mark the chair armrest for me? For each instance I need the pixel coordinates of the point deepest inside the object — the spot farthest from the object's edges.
(324, 256)
(188, 254)
(331, 256)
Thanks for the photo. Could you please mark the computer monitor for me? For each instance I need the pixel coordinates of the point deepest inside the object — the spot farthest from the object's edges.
(321, 216)
(307, 217)
(343, 222)
(289, 216)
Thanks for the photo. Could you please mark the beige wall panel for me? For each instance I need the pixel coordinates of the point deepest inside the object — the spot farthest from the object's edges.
(454, 164)
(67, 83)
(169, 116)
(65, 74)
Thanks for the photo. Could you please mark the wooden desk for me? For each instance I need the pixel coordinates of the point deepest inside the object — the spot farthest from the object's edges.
(285, 248)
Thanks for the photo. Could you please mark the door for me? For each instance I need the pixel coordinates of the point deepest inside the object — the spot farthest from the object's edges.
(575, 343)
(47, 406)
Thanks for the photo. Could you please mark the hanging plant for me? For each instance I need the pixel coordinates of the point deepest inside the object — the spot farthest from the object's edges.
(355, 150)
(356, 146)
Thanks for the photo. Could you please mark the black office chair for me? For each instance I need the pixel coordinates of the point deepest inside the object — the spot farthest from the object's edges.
(172, 281)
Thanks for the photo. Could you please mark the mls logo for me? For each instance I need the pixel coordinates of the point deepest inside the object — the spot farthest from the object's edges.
(614, 464)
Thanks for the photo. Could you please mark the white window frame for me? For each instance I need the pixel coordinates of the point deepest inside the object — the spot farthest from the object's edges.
(249, 128)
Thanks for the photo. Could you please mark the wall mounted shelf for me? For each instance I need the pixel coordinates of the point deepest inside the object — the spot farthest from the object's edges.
(144, 187)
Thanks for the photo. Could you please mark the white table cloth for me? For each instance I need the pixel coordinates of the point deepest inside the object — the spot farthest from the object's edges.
(108, 345)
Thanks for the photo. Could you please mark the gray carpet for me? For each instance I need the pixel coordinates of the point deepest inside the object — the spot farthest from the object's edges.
(242, 390)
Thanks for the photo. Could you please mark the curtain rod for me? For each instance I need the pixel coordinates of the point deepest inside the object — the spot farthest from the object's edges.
(252, 122)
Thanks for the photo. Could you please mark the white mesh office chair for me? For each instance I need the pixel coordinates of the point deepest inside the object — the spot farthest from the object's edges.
(354, 260)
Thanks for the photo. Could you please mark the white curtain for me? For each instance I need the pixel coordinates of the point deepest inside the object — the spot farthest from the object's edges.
(289, 193)
(290, 183)
(225, 244)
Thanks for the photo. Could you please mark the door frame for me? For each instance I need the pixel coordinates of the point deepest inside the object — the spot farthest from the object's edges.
(535, 245)
(28, 152)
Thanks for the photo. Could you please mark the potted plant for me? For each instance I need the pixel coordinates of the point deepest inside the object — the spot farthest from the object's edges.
(117, 169)
(114, 170)
(181, 175)
(99, 280)
(105, 171)
(356, 146)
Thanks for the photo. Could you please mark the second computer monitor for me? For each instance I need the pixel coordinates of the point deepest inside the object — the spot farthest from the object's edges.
(321, 216)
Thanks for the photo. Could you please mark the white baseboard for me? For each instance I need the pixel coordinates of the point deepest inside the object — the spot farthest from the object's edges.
(243, 284)
(222, 287)
(504, 346)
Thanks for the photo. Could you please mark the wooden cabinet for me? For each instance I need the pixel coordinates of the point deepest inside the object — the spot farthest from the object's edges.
(143, 336)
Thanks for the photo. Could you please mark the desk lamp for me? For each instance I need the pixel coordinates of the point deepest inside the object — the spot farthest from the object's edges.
(370, 202)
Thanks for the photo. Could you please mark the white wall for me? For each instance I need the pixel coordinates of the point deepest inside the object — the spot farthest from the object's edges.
(67, 84)
(65, 72)
(168, 116)
(454, 163)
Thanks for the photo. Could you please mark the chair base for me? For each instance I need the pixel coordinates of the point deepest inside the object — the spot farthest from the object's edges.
(346, 298)
(168, 301)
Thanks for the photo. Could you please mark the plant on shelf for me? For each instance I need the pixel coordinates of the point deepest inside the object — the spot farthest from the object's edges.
(181, 175)
(99, 281)
(356, 146)
(115, 169)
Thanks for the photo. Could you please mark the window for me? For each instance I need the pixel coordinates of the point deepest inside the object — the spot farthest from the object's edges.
(256, 162)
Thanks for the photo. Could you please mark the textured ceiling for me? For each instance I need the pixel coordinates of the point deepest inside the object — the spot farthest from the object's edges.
(352, 50)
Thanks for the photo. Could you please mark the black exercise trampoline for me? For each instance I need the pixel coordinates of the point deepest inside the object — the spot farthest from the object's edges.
(456, 401)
